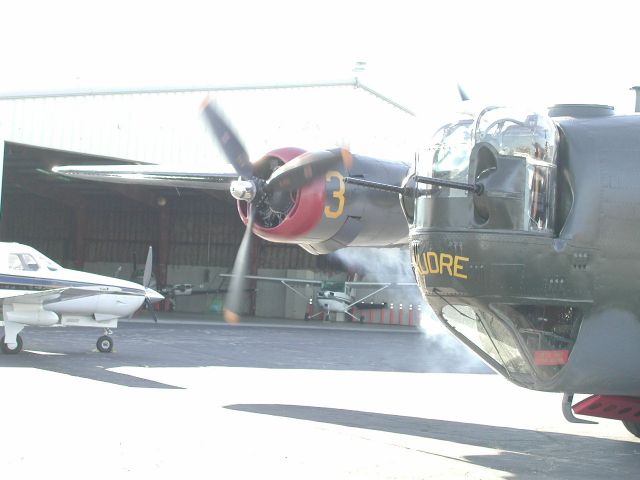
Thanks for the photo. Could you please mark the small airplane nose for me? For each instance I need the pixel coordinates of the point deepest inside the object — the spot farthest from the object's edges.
(153, 296)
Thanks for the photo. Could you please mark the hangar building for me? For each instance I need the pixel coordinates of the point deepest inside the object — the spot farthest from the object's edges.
(102, 227)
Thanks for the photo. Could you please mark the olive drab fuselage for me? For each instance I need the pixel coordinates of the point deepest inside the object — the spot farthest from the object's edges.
(540, 273)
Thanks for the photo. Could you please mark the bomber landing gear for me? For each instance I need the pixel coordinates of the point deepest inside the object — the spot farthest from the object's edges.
(7, 349)
(105, 342)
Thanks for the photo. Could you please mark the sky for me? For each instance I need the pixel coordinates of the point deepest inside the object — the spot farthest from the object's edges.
(501, 52)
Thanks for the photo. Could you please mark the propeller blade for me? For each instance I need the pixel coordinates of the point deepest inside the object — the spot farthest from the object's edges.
(229, 142)
(148, 266)
(234, 298)
(463, 95)
(149, 305)
(307, 167)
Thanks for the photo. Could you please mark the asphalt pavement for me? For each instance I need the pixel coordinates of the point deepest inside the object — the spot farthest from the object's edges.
(281, 399)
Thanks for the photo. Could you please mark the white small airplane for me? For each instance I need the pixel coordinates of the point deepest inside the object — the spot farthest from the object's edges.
(333, 296)
(36, 291)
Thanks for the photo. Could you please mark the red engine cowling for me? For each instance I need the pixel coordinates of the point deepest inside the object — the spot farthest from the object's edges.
(328, 214)
(298, 214)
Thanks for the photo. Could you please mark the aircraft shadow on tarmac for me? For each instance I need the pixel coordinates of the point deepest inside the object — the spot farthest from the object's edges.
(523, 453)
(72, 351)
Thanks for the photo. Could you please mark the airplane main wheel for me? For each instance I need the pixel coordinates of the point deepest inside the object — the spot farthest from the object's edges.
(6, 349)
(633, 427)
(105, 344)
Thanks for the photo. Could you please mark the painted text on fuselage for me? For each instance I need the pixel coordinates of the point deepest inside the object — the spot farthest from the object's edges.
(441, 263)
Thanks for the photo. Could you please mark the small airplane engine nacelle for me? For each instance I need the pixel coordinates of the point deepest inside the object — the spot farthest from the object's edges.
(328, 213)
(114, 305)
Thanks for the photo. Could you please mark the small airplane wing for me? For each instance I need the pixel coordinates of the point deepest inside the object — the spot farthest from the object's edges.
(278, 279)
(319, 282)
(152, 175)
(35, 297)
(380, 284)
(58, 294)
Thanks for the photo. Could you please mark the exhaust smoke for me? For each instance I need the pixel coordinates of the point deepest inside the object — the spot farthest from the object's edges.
(394, 265)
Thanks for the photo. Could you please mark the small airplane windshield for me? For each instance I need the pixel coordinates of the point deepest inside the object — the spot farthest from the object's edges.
(22, 261)
(333, 286)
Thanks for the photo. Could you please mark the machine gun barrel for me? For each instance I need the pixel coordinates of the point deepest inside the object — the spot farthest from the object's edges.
(379, 186)
(476, 188)
(407, 191)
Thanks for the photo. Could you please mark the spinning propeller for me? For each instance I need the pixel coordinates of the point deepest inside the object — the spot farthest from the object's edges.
(146, 281)
(291, 176)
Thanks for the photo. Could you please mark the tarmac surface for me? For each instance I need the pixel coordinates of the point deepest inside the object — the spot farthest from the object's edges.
(284, 399)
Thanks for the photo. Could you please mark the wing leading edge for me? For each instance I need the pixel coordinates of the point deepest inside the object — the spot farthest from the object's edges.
(151, 175)
(59, 294)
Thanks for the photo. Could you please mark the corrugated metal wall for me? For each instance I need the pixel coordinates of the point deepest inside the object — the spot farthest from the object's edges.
(116, 227)
(203, 232)
(282, 256)
(45, 225)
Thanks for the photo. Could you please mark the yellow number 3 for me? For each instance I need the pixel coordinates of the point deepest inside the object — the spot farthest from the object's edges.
(339, 194)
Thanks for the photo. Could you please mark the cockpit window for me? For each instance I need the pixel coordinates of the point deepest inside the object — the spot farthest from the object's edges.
(451, 151)
(30, 262)
(22, 261)
(534, 137)
(332, 286)
(14, 262)
(513, 132)
(511, 153)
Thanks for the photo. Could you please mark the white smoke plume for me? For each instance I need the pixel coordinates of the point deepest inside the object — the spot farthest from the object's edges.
(394, 265)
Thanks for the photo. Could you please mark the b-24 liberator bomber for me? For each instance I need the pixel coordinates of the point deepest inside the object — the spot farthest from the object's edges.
(523, 228)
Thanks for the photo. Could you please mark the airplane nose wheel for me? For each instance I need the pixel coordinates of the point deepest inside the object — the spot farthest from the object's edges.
(105, 343)
(7, 349)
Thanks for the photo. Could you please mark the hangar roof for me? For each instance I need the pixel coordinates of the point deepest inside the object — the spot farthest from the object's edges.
(164, 126)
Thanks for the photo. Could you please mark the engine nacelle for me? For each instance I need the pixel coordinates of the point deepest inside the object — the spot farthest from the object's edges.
(328, 214)
(111, 305)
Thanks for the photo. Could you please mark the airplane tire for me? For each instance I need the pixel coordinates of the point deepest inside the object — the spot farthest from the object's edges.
(105, 344)
(633, 427)
(5, 348)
